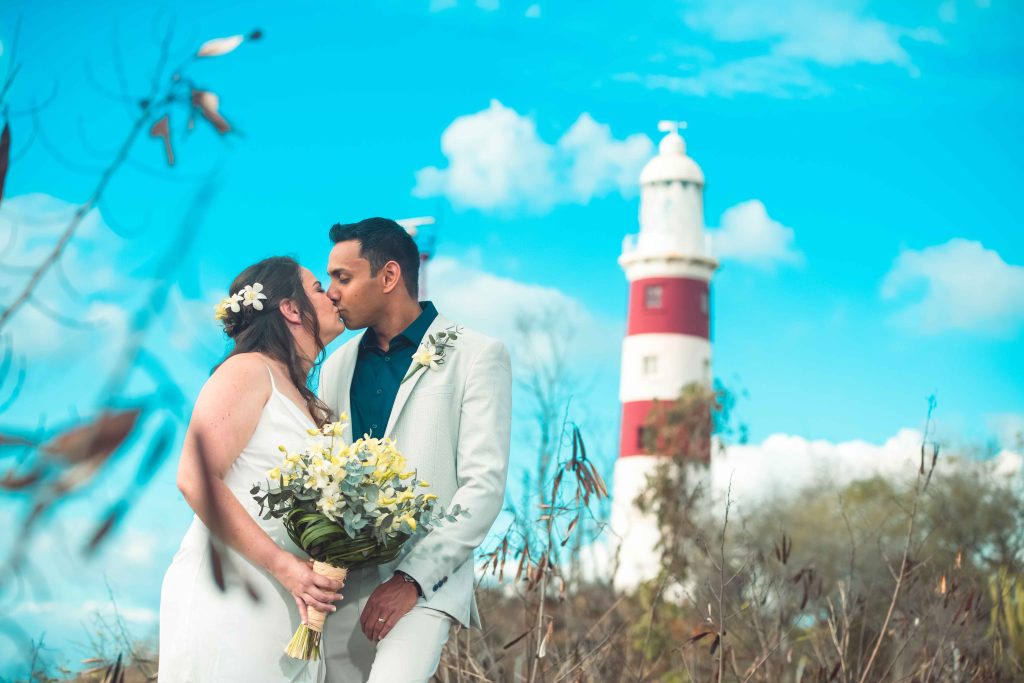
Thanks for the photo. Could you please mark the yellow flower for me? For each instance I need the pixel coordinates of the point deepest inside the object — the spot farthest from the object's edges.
(429, 497)
(386, 501)
(411, 521)
(274, 473)
(424, 484)
(282, 448)
(404, 496)
(313, 432)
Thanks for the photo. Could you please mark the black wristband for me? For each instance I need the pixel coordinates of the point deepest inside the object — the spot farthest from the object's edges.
(409, 579)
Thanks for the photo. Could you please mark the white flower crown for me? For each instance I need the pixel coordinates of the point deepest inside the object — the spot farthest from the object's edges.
(249, 295)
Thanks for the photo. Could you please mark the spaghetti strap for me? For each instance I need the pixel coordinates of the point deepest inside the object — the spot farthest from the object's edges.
(273, 384)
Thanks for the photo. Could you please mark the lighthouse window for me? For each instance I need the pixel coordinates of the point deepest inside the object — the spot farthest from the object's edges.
(704, 303)
(652, 296)
(650, 365)
(642, 435)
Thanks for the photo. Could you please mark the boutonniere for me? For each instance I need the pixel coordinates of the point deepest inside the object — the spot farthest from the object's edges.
(430, 354)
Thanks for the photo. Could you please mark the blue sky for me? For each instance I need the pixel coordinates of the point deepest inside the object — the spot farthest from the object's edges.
(861, 163)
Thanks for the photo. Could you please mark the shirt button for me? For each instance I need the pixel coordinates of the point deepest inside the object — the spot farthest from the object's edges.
(373, 426)
(387, 358)
(380, 391)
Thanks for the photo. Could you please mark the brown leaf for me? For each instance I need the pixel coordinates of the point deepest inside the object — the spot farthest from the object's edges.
(14, 482)
(714, 644)
(11, 440)
(568, 532)
(162, 129)
(220, 46)
(5, 155)
(516, 639)
(699, 637)
(208, 105)
(94, 441)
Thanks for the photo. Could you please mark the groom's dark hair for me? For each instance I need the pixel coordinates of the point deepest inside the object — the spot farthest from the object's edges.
(382, 240)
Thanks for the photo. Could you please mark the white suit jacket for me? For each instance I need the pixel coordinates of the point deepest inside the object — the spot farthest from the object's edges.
(453, 425)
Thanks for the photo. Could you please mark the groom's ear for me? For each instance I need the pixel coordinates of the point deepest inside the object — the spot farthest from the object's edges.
(290, 310)
(391, 273)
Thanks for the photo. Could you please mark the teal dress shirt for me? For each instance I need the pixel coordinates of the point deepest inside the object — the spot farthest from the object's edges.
(378, 374)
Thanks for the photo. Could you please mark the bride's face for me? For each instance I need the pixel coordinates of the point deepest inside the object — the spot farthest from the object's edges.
(326, 314)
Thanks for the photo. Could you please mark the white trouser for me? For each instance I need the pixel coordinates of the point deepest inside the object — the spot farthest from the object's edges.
(408, 654)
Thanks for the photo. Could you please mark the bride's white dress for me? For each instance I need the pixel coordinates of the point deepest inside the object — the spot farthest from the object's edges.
(209, 635)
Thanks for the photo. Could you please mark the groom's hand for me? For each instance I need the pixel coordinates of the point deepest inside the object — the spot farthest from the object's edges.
(388, 603)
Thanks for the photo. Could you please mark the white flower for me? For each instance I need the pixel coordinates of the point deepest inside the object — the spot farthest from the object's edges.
(427, 356)
(251, 296)
(233, 301)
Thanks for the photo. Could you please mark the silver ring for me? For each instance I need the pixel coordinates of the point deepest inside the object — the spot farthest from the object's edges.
(380, 619)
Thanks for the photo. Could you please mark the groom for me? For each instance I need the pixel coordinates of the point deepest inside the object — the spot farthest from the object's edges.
(451, 422)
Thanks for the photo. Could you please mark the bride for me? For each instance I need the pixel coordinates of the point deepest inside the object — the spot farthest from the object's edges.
(256, 400)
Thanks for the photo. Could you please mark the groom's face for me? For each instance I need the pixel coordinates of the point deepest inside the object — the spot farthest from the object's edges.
(356, 294)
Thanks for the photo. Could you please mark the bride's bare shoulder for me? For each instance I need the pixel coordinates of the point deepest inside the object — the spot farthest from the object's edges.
(243, 372)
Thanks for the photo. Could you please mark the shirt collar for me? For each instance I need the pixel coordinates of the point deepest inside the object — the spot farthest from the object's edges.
(413, 333)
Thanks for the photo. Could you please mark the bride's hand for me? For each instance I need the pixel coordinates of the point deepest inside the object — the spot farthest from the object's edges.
(305, 585)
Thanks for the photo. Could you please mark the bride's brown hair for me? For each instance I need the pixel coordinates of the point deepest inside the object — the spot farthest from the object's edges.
(265, 331)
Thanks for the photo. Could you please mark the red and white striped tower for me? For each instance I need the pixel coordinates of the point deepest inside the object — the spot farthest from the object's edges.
(667, 345)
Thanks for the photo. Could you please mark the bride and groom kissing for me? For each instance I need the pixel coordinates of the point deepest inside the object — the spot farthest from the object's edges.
(386, 623)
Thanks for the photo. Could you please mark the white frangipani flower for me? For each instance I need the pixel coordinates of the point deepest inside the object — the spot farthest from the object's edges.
(252, 294)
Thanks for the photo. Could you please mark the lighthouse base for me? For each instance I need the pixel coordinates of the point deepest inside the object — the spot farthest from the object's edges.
(635, 534)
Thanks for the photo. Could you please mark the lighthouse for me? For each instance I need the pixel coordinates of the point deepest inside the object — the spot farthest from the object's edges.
(667, 346)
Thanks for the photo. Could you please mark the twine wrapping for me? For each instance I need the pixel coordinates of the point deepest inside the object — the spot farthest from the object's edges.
(314, 617)
(305, 644)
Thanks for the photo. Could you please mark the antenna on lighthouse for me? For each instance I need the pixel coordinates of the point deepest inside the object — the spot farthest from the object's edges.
(424, 242)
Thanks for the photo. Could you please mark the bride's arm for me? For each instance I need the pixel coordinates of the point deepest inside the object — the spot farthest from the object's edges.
(223, 420)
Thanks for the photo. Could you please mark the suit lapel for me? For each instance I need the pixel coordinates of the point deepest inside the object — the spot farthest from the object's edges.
(344, 378)
(406, 388)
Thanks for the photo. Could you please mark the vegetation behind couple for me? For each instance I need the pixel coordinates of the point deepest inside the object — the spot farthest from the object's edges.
(452, 423)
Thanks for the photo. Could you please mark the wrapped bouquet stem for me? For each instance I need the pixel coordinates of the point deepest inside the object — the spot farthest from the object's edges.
(348, 507)
(305, 644)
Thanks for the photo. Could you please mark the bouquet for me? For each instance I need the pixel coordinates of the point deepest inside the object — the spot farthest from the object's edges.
(347, 506)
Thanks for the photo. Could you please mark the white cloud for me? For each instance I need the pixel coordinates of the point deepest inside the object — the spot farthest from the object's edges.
(1008, 428)
(497, 160)
(533, 12)
(66, 359)
(784, 465)
(82, 611)
(749, 235)
(823, 33)
(600, 164)
(959, 285)
(490, 303)
(765, 74)
(791, 41)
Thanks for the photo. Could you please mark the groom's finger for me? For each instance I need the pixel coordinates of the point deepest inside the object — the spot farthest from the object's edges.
(379, 627)
(368, 618)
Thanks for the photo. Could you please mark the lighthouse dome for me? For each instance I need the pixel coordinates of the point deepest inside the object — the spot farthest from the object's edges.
(672, 163)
